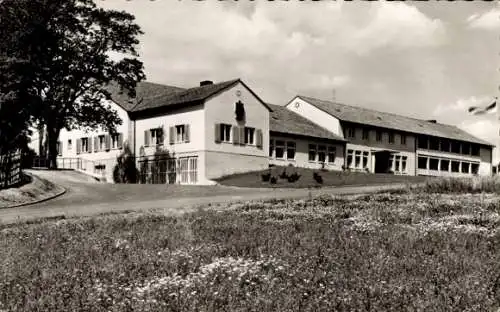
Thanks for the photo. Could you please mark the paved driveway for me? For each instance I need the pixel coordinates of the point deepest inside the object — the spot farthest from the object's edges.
(85, 196)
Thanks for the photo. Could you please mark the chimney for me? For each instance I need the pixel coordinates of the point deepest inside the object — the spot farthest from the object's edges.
(432, 120)
(206, 83)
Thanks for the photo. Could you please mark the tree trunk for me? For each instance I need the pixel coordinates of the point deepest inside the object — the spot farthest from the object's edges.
(52, 137)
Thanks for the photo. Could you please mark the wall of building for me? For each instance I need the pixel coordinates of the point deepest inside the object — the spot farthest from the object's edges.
(316, 115)
(191, 115)
(408, 156)
(301, 158)
(220, 109)
(486, 156)
(92, 158)
(384, 143)
(218, 164)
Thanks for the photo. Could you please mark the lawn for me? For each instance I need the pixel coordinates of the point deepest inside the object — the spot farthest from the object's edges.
(306, 180)
(405, 251)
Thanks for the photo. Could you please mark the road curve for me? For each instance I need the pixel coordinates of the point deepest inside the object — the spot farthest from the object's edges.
(87, 197)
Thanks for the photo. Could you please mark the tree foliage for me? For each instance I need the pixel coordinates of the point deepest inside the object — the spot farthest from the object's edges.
(65, 54)
(125, 170)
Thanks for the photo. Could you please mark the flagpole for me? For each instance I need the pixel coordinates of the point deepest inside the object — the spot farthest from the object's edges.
(497, 148)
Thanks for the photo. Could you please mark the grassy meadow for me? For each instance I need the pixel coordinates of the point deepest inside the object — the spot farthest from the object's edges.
(411, 250)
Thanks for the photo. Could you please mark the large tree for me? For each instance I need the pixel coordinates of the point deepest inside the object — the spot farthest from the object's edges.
(67, 53)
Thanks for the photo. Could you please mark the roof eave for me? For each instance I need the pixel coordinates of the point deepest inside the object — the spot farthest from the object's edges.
(293, 134)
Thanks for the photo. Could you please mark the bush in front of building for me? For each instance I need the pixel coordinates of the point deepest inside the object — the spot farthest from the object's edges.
(266, 176)
(125, 170)
(294, 177)
(318, 178)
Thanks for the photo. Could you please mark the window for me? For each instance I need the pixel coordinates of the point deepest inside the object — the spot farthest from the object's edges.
(321, 153)
(290, 150)
(475, 168)
(193, 170)
(445, 145)
(357, 159)
(398, 162)
(379, 135)
(403, 163)
(466, 149)
(433, 164)
(249, 135)
(171, 171)
(422, 142)
(475, 150)
(366, 134)
(351, 132)
(332, 150)
(455, 147)
(280, 149)
(391, 137)
(59, 148)
(70, 145)
(156, 136)
(455, 165)
(102, 143)
(465, 167)
(422, 162)
(114, 141)
(271, 148)
(434, 144)
(180, 133)
(349, 158)
(312, 152)
(225, 133)
(403, 139)
(445, 165)
(365, 160)
(85, 145)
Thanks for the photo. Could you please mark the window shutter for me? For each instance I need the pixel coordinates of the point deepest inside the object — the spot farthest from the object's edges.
(59, 148)
(96, 144)
(172, 135)
(146, 138)
(78, 146)
(259, 138)
(236, 134)
(217, 133)
(120, 140)
(187, 134)
(242, 135)
(89, 139)
(162, 135)
(108, 142)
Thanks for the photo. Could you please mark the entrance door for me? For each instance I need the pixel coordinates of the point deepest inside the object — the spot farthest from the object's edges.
(382, 162)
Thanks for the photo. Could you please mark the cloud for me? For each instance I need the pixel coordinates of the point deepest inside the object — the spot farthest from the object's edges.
(462, 105)
(487, 21)
(397, 25)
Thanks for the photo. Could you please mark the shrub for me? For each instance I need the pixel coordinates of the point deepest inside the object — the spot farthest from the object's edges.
(293, 177)
(273, 180)
(266, 176)
(125, 170)
(283, 175)
(318, 178)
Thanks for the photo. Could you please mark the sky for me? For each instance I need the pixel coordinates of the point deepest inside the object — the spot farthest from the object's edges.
(428, 60)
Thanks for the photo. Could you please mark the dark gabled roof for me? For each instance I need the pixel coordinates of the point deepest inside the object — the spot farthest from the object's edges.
(153, 96)
(145, 92)
(360, 115)
(283, 120)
